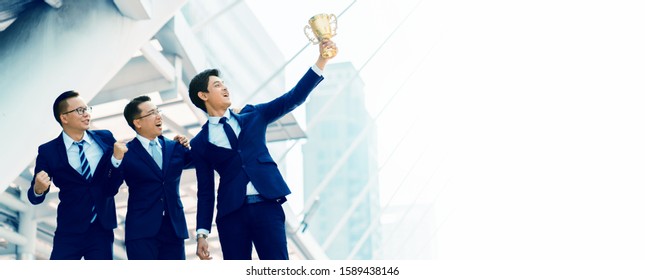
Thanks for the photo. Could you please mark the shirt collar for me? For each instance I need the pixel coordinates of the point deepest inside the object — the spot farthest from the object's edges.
(68, 141)
(215, 119)
(145, 142)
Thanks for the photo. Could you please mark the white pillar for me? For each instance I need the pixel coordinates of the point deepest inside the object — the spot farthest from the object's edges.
(28, 228)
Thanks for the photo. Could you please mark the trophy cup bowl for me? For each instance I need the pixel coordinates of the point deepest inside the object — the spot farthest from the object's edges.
(323, 27)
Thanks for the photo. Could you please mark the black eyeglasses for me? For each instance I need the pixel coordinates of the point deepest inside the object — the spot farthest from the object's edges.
(80, 110)
(155, 112)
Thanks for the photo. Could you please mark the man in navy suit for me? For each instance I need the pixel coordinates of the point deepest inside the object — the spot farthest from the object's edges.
(78, 162)
(155, 224)
(251, 188)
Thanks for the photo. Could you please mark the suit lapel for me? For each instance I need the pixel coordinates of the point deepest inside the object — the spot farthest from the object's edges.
(241, 122)
(167, 148)
(98, 140)
(145, 157)
(104, 147)
(62, 153)
(237, 117)
(202, 136)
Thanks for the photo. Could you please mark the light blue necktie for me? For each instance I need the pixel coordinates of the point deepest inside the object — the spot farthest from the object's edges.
(86, 172)
(156, 155)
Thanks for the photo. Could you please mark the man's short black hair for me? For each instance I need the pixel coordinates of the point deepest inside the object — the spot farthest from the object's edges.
(132, 111)
(60, 103)
(200, 83)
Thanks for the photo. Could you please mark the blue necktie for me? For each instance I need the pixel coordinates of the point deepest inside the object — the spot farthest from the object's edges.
(155, 153)
(86, 172)
(229, 132)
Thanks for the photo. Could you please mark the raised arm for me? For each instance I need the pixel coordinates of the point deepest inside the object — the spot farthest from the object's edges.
(275, 109)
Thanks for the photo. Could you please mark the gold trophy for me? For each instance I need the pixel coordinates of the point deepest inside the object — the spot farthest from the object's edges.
(323, 27)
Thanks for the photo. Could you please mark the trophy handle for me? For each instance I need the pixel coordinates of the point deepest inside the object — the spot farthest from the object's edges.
(310, 36)
(332, 24)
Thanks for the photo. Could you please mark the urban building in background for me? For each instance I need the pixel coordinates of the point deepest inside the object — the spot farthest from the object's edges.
(341, 187)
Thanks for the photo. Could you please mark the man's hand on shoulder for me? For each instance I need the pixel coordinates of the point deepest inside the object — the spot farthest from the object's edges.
(181, 139)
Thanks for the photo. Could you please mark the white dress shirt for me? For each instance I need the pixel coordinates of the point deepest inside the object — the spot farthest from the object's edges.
(92, 151)
(217, 136)
(146, 144)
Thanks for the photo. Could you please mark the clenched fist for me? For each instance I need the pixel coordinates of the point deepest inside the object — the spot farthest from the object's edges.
(42, 182)
(119, 150)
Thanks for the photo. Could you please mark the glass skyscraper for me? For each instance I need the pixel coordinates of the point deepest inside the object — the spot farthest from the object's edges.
(340, 166)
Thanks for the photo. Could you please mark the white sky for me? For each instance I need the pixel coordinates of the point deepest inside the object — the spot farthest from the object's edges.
(524, 121)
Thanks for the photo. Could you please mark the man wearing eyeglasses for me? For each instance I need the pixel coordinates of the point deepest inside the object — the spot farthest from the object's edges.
(155, 224)
(80, 163)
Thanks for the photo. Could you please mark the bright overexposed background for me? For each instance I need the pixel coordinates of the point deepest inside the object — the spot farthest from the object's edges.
(520, 124)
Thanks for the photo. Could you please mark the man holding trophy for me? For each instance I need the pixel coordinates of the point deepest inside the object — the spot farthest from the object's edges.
(251, 189)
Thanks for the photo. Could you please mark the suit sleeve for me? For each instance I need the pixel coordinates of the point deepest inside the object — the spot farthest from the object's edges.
(188, 158)
(205, 190)
(114, 179)
(41, 165)
(113, 175)
(275, 109)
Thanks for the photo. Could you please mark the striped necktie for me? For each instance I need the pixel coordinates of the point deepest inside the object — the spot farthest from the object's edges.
(86, 172)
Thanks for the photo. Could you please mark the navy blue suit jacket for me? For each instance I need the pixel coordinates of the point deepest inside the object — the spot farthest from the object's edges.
(77, 195)
(251, 161)
(150, 187)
